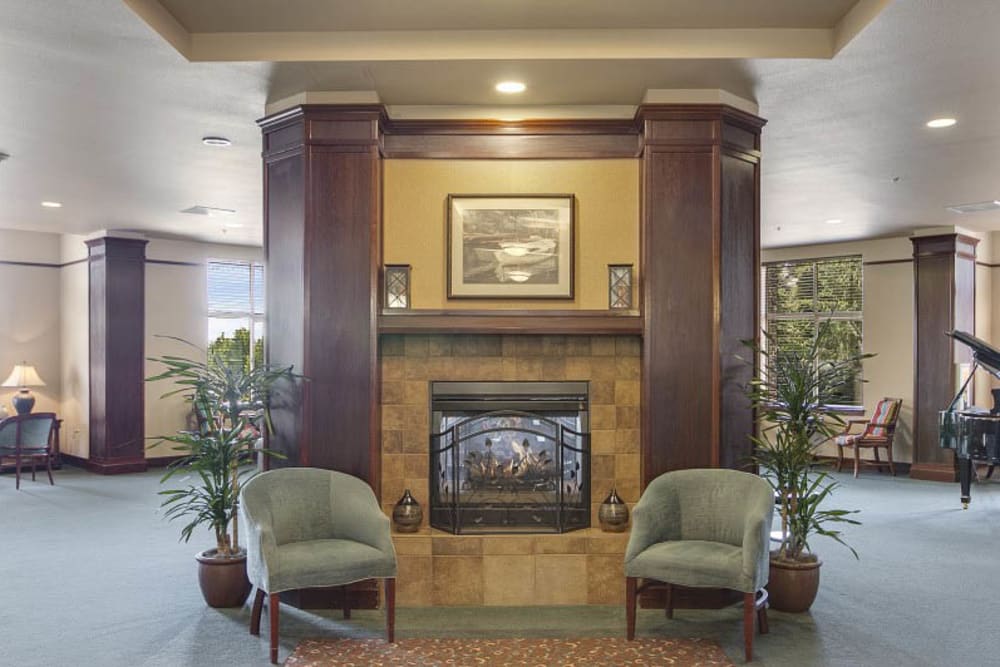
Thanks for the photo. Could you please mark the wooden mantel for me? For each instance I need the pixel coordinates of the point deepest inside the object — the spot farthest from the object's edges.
(582, 322)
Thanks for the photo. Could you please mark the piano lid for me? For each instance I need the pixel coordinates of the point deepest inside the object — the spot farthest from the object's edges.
(987, 355)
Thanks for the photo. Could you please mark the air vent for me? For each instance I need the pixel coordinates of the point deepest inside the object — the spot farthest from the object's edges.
(209, 210)
(977, 207)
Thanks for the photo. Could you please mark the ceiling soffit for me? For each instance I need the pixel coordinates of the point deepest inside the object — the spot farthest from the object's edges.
(448, 30)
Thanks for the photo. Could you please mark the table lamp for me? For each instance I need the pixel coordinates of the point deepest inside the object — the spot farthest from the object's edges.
(24, 375)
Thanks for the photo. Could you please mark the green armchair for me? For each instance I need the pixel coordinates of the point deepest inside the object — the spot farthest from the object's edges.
(703, 528)
(312, 528)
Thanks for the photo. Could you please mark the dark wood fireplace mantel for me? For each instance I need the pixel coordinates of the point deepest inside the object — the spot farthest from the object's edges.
(577, 322)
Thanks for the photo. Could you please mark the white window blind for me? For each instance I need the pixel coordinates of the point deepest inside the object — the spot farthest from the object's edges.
(801, 298)
(236, 310)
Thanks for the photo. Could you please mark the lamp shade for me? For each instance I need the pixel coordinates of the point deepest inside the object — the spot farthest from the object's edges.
(23, 375)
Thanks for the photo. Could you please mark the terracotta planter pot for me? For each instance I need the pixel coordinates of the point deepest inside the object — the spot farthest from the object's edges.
(793, 585)
(223, 581)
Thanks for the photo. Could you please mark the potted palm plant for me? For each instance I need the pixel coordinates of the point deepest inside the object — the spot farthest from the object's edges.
(229, 398)
(791, 396)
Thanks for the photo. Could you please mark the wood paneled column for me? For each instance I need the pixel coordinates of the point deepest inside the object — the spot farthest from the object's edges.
(700, 260)
(944, 280)
(322, 179)
(117, 269)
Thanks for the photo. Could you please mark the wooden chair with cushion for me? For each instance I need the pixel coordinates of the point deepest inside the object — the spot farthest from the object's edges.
(879, 432)
(313, 528)
(705, 528)
(27, 438)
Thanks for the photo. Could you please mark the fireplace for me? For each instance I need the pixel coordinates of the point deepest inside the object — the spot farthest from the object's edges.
(509, 457)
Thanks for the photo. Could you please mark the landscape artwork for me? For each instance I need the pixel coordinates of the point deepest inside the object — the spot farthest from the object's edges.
(510, 246)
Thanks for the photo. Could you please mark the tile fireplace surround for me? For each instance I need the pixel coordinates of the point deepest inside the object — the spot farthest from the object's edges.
(580, 567)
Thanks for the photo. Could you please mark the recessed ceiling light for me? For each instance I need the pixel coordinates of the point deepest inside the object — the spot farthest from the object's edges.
(209, 210)
(975, 207)
(51, 204)
(510, 87)
(941, 122)
(216, 141)
(833, 221)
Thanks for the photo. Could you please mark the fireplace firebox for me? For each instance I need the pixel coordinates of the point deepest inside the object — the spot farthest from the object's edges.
(510, 457)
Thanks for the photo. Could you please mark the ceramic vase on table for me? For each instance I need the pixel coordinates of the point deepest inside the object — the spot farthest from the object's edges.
(613, 514)
(407, 514)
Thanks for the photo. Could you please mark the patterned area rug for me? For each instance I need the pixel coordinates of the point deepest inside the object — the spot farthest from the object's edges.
(602, 651)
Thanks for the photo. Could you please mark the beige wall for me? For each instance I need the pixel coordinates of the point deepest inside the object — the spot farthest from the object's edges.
(888, 319)
(29, 324)
(46, 322)
(177, 305)
(888, 323)
(607, 219)
(984, 312)
(74, 326)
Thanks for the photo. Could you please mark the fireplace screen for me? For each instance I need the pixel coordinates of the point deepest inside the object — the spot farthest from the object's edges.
(509, 457)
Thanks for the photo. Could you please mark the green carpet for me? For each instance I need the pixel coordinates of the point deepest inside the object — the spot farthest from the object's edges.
(92, 576)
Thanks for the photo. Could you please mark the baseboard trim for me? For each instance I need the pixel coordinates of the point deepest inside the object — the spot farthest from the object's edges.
(933, 472)
(902, 469)
(119, 467)
(162, 461)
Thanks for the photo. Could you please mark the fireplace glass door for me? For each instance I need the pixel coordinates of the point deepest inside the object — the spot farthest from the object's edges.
(509, 457)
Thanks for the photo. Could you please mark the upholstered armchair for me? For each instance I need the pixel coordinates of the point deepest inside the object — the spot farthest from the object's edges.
(879, 431)
(27, 438)
(702, 528)
(312, 528)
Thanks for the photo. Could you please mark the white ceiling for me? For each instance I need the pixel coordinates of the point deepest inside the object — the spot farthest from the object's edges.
(99, 112)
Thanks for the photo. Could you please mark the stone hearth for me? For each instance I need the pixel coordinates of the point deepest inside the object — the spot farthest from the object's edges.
(583, 567)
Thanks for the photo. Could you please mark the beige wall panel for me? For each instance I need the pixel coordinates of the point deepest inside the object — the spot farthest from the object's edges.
(607, 219)
(29, 327)
(888, 323)
(984, 329)
(177, 305)
(75, 345)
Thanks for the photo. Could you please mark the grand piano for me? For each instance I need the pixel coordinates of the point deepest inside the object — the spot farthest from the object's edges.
(974, 433)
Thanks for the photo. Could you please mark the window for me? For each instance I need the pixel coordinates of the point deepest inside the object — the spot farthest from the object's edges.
(802, 298)
(236, 311)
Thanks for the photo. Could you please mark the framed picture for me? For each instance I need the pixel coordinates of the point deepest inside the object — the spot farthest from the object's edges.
(510, 246)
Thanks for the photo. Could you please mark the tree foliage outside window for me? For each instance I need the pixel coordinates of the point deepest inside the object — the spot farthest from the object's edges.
(236, 312)
(803, 299)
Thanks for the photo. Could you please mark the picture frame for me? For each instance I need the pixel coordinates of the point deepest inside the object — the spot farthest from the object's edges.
(508, 246)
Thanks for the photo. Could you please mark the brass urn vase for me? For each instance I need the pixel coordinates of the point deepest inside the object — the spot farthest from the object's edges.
(613, 513)
(407, 514)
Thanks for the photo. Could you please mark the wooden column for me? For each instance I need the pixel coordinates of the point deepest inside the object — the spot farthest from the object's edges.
(117, 361)
(701, 257)
(944, 279)
(322, 179)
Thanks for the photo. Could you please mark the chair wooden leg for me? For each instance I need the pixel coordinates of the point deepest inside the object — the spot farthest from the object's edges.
(761, 604)
(631, 583)
(33, 465)
(669, 608)
(840, 456)
(888, 455)
(258, 604)
(48, 469)
(857, 460)
(748, 613)
(273, 603)
(878, 461)
(17, 472)
(389, 586)
(345, 602)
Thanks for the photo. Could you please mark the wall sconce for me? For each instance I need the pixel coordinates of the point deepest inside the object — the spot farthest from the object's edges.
(397, 286)
(620, 286)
